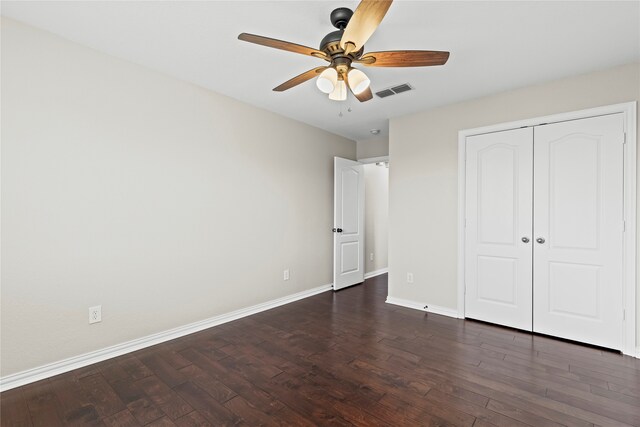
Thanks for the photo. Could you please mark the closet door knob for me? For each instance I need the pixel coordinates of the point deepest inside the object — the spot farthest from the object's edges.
(540, 240)
(525, 239)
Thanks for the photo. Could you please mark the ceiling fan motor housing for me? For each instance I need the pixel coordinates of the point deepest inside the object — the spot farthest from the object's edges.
(331, 39)
(330, 44)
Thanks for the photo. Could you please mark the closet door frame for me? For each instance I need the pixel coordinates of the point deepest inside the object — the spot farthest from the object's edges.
(628, 109)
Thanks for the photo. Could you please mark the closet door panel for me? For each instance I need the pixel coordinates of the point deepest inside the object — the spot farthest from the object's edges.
(498, 215)
(578, 226)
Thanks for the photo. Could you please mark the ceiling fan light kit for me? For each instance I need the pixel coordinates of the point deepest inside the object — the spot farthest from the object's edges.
(358, 81)
(340, 92)
(345, 46)
(327, 80)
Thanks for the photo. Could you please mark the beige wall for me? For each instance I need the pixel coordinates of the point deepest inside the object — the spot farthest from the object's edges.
(374, 147)
(423, 175)
(161, 201)
(376, 216)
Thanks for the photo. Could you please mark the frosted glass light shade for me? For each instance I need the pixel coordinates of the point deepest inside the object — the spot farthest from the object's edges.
(358, 81)
(327, 80)
(340, 92)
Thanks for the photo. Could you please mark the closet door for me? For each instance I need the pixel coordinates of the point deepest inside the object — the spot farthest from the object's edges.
(498, 240)
(578, 230)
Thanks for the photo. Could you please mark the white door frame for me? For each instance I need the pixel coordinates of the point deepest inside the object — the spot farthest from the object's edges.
(628, 109)
(369, 160)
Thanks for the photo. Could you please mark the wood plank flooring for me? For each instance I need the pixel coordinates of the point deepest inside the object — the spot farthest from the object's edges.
(343, 358)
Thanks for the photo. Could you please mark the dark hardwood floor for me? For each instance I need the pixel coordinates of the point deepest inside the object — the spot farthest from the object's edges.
(343, 358)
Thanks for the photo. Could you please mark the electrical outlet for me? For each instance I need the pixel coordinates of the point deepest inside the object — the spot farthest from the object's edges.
(371, 256)
(286, 274)
(95, 314)
(409, 277)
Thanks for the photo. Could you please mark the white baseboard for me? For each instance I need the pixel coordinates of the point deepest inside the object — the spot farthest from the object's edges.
(36, 374)
(429, 308)
(375, 273)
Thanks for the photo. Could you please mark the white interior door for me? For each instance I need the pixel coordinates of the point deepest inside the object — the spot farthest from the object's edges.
(578, 227)
(348, 220)
(499, 175)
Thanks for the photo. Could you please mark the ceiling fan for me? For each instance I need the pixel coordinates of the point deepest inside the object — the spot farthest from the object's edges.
(345, 46)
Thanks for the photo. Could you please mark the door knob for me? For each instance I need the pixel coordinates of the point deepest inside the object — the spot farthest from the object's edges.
(525, 239)
(540, 240)
(339, 230)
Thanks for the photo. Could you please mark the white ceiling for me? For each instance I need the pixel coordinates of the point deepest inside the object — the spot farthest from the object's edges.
(495, 46)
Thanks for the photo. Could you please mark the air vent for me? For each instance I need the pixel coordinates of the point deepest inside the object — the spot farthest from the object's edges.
(385, 93)
(394, 90)
(402, 88)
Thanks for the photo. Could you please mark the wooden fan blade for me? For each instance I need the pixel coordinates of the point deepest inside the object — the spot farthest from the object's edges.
(283, 45)
(363, 96)
(404, 58)
(363, 23)
(307, 75)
